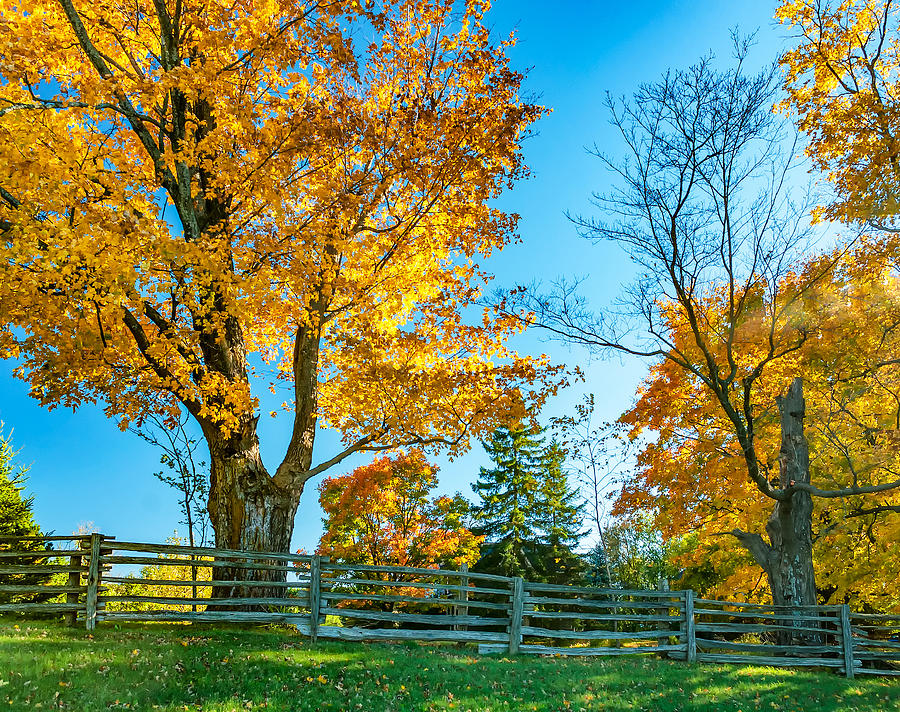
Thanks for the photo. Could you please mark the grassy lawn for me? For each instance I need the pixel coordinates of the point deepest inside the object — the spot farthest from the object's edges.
(172, 667)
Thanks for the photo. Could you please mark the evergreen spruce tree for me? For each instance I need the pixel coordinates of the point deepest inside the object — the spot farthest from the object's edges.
(508, 494)
(598, 573)
(560, 519)
(16, 519)
(526, 510)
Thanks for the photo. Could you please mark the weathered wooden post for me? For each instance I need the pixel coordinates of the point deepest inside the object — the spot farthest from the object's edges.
(847, 641)
(315, 596)
(515, 616)
(461, 608)
(690, 632)
(93, 583)
(74, 582)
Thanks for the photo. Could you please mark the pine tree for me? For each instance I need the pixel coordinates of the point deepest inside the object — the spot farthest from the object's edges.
(527, 512)
(559, 517)
(506, 514)
(16, 519)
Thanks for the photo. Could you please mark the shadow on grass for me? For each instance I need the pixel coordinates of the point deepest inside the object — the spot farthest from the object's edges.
(219, 670)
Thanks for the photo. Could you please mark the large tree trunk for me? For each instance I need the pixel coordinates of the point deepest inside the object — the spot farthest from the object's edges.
(787, 557)
(791, 575)
(247, 510)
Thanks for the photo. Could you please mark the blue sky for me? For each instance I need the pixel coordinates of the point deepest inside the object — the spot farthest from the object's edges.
(83, 469)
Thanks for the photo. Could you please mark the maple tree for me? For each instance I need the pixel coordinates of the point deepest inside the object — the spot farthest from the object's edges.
(198, 196)
(383, 514)
(692, 473)
(841, 80)
(705, 208)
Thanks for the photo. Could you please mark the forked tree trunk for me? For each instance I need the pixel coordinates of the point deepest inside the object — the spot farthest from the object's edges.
(248, 511)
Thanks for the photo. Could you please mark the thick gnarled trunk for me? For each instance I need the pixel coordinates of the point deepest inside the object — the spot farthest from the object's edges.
(248, 510)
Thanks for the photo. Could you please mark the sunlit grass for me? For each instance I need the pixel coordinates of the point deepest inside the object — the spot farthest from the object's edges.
(162, 667)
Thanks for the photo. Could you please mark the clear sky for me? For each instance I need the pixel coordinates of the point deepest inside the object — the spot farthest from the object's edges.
(83, 469)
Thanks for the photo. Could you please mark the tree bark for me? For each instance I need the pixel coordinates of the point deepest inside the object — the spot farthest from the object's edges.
(791, 574)
(787, 557)
(247, 509)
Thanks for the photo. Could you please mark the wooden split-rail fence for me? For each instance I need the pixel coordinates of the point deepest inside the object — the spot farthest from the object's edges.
(91, 579)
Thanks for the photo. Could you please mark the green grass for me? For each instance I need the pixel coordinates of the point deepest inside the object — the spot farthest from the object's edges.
(193, 668)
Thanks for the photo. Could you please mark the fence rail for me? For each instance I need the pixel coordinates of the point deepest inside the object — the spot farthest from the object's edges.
(87, 579)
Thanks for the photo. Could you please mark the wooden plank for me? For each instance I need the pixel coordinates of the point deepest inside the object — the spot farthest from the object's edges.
(876, 671)
(214, 582)
(206, 551)
(93, 582)
(873, 655)
(875, 617)
(574, 615)
(206, 616)
(707, 644)
(73, 537)
(874, 643)
(515, 615)
(765, 616)
(690, 627)
(45, 554)
(712, 602)
(15, 588)
(590, 634)
(847, 641)
(553, 587)
(38, 607)
(750, 628)
(195, 563)
(598, 652)
(414, 571)
(329, 584)
(74, 581)
(315, 596)
(45, 569)
(412, 599)
(769, 661)
(462, 608)
(469, 636)
(587, 603)
(422, 618)
(177, 600)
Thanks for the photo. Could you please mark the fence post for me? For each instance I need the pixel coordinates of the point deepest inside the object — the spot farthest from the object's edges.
(515, 616)
(315, 596)
(74, 581)
(847, 641)
(93, 583)
(461, 608)
(690, 632)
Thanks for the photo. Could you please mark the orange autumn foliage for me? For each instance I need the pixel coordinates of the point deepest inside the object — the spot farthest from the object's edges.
(383, 514)
(202, 199)
(691, 471)
(842, 83)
